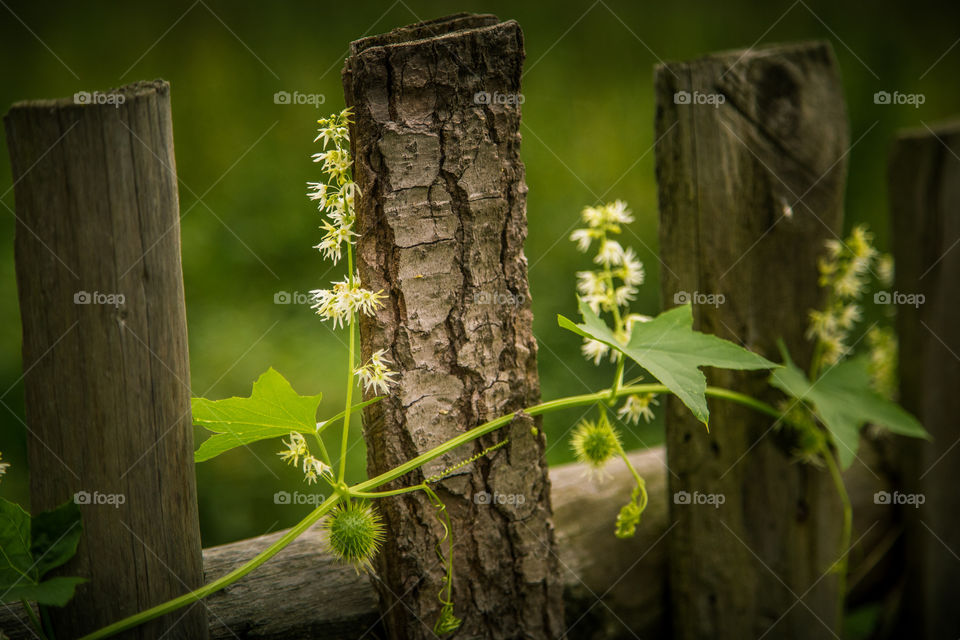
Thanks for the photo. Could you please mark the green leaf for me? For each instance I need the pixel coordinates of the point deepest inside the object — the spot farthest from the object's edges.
(24, 559)
(673, 352)
(54, 536)
(844, 400)
(16, 561)
(55, 591)
(273, 409)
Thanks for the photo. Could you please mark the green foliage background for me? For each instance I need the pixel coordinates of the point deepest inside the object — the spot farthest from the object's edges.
(247, 228)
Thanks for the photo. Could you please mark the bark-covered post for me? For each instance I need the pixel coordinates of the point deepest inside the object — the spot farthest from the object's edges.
(925, 209)
(751, 169)
(107, 379)
(442, 218)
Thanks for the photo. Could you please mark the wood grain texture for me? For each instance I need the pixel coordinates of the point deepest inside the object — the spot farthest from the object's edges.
(303, 592)
(442, 221)
(925, 210)
(107, 381)
(749, 189)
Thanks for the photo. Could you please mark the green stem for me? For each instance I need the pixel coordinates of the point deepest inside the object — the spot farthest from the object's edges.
(384, 494)
(346, 411)
(547, 407)
(841, 564)
(33, 618)
(220, 583)
(358, 490)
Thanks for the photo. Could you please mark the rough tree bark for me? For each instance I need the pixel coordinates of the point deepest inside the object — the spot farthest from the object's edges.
(442, 218)
(925, 210)
(750, 187)
(107, 380)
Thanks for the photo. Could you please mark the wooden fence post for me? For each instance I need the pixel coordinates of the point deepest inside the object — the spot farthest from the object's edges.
(107, 380)
(925, 210)
(442, 218)
(750, 167)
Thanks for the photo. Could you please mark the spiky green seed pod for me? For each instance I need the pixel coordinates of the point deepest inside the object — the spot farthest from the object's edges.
(595, 442)
(354, 533)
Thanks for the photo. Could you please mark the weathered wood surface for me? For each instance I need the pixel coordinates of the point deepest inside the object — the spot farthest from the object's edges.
(304, 593)
(442, 219)
(925, 210)
(107, 380)
(750, 167)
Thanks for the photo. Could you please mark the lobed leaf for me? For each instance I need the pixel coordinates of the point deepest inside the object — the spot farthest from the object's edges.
(670, 349)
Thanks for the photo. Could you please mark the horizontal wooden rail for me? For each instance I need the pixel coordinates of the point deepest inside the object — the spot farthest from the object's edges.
(610, 585)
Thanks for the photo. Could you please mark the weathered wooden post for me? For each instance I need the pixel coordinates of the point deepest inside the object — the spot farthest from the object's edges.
(107, 380)
(925, 209)
(750, 166)
(442, 218)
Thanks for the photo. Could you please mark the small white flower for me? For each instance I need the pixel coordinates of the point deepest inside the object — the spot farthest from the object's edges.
(850, 284)
(611, 253)
(848, 316)
(885, 270)
(314, 468)
(632, 272)
(593, 216)
(583, 238)
(296, 448)
(376, 374)
(618, 213)
(594, 350)
(591, 283)
(3, 466)
(637, 406)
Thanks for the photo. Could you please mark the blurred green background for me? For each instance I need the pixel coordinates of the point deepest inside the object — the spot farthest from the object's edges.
(247, 228)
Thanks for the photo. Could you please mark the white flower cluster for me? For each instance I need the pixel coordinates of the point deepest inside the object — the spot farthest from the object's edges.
(3, 466)
(344, 299)
(296, 449)
(614, 283)
(336, 198)
(376, 374)
(610, 288)
(845, 272)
